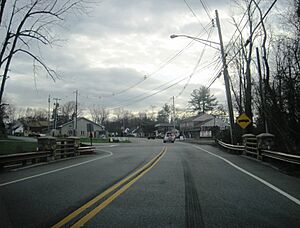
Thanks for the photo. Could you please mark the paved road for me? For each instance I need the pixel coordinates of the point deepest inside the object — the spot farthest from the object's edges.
(150, 184)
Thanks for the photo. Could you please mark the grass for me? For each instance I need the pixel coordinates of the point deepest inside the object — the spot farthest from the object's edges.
(14, 146)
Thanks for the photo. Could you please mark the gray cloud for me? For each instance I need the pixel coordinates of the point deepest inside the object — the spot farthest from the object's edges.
(111, 50)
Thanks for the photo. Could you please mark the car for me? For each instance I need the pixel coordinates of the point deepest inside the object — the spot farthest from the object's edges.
(169, 137)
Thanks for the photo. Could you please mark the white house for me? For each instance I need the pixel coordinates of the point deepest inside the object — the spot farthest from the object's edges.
(85, 128)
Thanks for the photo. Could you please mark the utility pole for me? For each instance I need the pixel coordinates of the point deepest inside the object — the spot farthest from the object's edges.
(56, 105)
(226, 80)
(76, 112)
(49, 114)
(174, 113)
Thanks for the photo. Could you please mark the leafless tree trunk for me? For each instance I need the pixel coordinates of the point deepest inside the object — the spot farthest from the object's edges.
(2, 6)
(27, 26)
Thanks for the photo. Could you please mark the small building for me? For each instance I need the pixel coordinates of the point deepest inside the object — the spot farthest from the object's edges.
(85, 128)
(39, 126)
(16, 128)
(203, 125)
(162, 128)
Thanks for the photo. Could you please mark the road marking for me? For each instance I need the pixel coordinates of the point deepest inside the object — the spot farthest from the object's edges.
(106, 192)
(290, 197)
(99, 208)
(57, 170)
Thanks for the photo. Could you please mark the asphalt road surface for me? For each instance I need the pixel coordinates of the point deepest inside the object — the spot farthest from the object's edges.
(150, 184)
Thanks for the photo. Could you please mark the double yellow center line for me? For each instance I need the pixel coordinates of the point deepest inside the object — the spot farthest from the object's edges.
(122, 186)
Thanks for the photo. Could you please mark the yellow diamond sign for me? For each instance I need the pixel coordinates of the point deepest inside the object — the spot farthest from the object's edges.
(243, 120)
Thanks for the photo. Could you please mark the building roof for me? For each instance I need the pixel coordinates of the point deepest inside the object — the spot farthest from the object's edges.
(199, 118)
(164, 125)
(215, 122)
(39, 123)
(82, 118)
(207, 120)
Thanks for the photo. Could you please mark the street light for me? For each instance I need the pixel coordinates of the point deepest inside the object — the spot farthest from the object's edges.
(225, 72)
(206, 42)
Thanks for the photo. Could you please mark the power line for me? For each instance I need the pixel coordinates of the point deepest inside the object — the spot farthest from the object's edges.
(215, 78)
(203, 3)
(151, 95)
(192, 11)
(163, 65)
(195, 68)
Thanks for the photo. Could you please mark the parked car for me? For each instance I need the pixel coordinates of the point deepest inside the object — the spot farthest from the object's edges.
(169, 137)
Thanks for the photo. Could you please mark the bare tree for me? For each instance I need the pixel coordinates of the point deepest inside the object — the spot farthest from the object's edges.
(99, 114)
(68, 109)
(26, 26)
(2, 6)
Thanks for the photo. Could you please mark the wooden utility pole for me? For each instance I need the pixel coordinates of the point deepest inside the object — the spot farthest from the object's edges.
(226, 80)
(49, 114)
(56, 105)
(174, 124)
(76, 112)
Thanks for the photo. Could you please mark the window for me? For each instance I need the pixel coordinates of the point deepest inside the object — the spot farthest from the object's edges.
(82, 133)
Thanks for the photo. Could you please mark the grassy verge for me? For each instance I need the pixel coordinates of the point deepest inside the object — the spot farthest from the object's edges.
(14, 146)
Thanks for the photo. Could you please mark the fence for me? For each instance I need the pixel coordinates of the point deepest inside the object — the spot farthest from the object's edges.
(49, 148)
(258, 147)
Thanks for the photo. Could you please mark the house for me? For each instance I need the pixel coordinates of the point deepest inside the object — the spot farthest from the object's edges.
(16, 128)
(85, 128)
(162, 128)
(203, 125)
(28, 128)
(37, 126)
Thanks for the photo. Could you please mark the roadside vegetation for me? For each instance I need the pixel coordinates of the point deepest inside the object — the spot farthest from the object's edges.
(16, 146)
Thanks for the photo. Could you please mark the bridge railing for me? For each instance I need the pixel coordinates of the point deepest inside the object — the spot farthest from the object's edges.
(49, 149)
(257, 147)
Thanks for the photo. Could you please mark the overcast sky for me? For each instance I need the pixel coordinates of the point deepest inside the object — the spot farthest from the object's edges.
(123, 43)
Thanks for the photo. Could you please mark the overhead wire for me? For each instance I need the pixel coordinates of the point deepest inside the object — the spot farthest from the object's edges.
(168, 61)
(192, 11)
(206, 8)
(150, 95)
(195, 67)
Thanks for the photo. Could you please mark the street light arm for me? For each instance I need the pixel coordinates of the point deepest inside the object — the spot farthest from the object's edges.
(205, 42)
(194, 38)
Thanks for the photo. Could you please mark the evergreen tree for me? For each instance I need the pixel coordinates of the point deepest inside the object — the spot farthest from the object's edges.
(202, 101)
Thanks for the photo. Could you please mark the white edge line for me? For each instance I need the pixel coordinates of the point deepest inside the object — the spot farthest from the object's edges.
(290, 197)
(56, 170)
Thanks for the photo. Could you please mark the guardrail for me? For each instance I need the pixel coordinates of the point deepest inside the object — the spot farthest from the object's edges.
(238, 148)
(43, 156)
(290, 158)
(261, 153)
(24, 158)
